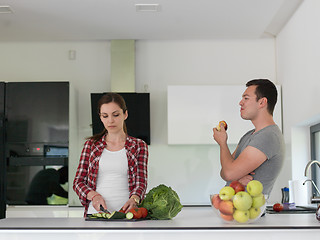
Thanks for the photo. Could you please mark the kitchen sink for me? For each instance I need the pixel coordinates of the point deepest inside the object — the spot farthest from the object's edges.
(296, 210)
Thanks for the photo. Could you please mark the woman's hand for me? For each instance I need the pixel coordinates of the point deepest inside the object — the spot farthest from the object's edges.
(131, 203)
(97, 200)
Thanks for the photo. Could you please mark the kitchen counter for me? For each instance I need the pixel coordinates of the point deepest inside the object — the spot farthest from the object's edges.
(190, 223)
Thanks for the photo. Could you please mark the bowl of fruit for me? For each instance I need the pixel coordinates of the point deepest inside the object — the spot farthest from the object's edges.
(239, 204)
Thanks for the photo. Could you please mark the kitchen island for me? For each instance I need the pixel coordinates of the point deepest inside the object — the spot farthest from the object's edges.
(190, 223)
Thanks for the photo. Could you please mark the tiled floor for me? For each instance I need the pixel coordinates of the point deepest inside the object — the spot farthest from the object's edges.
(44, 211)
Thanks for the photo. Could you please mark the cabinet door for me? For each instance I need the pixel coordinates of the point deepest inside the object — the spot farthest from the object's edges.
(193, 111)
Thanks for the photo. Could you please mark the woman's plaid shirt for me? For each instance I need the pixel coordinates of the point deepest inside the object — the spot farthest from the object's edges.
(86, 175)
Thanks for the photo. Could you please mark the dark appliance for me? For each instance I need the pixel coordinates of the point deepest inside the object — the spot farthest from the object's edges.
(138, 121)
(2, 155)
(35, 123)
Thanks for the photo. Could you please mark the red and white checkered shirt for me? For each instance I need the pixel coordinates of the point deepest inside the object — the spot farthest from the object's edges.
(86, 175)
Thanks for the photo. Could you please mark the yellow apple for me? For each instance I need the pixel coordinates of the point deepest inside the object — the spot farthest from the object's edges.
(254, 212)
(258, 201)
(254, 188)
(241, 216)
(242, 201)
(226, 193)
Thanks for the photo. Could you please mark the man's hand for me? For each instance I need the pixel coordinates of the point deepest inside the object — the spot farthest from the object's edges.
(220, 136)
(246, 179)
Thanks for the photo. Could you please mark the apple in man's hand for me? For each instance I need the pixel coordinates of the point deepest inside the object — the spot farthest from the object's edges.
(254, 188)
(237, 186)
(226, 193)
(222, 123)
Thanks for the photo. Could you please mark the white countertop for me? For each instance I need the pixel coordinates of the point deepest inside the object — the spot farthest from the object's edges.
(190, 218)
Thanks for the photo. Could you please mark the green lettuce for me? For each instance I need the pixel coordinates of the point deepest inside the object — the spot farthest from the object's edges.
(162, 203)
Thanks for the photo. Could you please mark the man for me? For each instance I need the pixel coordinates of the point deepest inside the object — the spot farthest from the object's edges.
(260, 152)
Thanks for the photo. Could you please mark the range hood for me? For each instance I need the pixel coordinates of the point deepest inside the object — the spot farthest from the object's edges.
(123, 65)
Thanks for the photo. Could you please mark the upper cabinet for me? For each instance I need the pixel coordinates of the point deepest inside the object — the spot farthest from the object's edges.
(193, 111)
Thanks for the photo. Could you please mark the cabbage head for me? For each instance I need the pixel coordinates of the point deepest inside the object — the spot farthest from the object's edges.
(162, 203)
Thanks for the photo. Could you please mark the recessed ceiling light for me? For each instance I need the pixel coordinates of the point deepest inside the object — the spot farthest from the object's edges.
(147, 7)
(5, 9)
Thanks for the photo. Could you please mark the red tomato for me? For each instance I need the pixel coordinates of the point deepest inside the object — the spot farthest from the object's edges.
(278, 207)
(136, 213)
(144, 212)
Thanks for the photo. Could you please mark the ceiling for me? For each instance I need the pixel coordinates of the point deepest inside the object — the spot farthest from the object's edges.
(96, 20)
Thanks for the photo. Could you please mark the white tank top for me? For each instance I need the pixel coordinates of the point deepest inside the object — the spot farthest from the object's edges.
(112, 179)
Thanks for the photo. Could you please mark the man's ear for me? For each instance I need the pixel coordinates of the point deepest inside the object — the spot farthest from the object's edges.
(263, 102)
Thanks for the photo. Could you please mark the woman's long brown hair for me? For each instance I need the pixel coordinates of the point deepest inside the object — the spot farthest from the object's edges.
(108, 98)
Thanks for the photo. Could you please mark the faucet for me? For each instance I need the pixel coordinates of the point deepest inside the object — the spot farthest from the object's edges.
(309, 165)
(314, 199)
(315, 186)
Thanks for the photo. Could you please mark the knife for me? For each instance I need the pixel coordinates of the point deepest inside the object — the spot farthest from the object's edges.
(104, 210)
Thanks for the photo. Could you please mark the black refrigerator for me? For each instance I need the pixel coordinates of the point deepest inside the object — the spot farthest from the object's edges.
(34, 135)
(2, 156)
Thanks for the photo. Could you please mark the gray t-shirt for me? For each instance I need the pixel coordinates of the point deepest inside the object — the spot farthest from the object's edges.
(268, 140)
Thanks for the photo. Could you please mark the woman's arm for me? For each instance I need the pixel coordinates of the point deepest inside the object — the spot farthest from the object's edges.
(141, 171)
(81, 177)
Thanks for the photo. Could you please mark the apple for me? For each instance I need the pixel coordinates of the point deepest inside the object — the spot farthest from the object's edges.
(254, 188)
(241, 216)
(258, 201)
(242, 201)
(226, 207)
(215, 201)
(278, 207)
(222, 123)
(254, 212)
(226, 193)
(237, 186)
(226, 217)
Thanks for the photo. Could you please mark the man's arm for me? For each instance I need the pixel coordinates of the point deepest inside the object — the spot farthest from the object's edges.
(234, 169)
(249, 160)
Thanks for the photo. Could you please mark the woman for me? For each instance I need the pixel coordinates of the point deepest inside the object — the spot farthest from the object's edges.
(112, 172)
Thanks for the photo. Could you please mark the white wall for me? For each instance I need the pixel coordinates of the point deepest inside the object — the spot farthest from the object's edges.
(193, 171)
(298, 55)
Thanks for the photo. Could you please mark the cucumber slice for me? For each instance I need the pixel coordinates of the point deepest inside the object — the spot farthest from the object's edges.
(99, 215)
(117, 215)
(129, 215)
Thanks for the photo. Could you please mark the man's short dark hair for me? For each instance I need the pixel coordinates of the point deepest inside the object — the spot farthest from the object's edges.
(265, 88)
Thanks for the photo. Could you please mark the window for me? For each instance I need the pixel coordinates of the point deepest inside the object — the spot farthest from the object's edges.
(315, 155)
